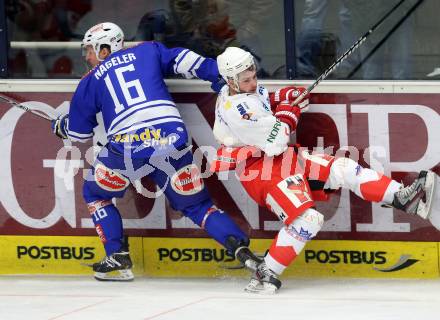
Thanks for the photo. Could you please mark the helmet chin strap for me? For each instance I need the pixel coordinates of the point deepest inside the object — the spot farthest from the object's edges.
(237, 86)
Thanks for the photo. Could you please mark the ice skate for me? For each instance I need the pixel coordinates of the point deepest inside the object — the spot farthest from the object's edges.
(243, 254)
(248, 258)
(417, 197)
(115, 267)
(263, 281)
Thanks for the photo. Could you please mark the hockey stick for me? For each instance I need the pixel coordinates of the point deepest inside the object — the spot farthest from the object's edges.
(380, 43)
(356, 45)
(17, 104)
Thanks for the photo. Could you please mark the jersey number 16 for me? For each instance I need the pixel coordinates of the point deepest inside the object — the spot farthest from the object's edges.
(125, 86)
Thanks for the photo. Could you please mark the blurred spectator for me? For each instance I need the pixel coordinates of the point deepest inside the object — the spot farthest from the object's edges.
(43, 20)
(201, 26)
(392, 60)
(154, 25)
(434, 73)
(250, 18)
(311, 39)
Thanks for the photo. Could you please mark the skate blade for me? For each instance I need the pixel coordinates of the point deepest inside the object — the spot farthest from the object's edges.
(232, 267)
(256, 287)
(249, 265)
(119, 275)
(424, 208)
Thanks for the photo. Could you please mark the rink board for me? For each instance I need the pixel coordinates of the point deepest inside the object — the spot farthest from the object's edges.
(36, 200)
(167, 257)
(41, 187)
(57, 255)
(200, 257)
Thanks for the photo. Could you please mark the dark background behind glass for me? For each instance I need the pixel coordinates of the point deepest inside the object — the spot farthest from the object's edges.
(323, 30)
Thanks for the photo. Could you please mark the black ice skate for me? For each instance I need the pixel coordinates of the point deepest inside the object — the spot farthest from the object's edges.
(243, 254)
(115, 267)
(247, 258)
(263, 281)
(417, 197)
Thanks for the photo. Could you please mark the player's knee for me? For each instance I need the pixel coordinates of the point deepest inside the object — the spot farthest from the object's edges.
(198, 212)
(307, 225)
(218, 225)
(91, 192)
(104, 184)
(343, 173)
(345, 165)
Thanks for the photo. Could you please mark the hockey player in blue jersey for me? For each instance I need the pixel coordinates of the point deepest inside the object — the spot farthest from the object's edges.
(146, 137)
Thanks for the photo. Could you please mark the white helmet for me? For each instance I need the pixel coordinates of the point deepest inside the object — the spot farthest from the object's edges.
(104, 33)
(232, 62)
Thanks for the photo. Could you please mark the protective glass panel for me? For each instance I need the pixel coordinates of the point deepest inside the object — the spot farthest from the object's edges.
(45, 35)
(404, 47)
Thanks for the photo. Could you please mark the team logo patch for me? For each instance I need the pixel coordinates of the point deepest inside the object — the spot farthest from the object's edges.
(110, 180)
(187, 180)
(302, 235)
(295, 188)
(358, 169)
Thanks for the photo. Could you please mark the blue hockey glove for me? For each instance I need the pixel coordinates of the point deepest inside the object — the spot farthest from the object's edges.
(218, 84)
(59, 126)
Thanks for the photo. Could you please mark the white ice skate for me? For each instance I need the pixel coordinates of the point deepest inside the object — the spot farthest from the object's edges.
(263, 281)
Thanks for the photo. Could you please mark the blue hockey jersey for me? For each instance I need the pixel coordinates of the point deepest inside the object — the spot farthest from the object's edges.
(129, 89)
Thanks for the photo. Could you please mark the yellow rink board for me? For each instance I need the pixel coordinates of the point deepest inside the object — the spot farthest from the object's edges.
(189, 257)
(200, 257)
(57, 254)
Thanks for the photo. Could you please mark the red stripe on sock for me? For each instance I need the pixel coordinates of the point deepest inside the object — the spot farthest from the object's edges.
(282, 254)
(375, 190)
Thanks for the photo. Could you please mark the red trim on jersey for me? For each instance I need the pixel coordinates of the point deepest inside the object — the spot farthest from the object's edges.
(228, 158)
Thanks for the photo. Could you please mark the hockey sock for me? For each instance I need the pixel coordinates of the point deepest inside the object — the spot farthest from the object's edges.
(375, 189)
(366, 183)
(282, 252)
(220, 226)
(216, 223)
(108, 224)
(292, 239)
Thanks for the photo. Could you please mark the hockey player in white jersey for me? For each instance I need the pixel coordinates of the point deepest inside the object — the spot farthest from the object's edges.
(254, 129)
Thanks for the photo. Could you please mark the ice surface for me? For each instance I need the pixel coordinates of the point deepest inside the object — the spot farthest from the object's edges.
(84, 298)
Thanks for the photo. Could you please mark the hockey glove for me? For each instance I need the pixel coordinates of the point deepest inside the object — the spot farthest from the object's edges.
(59, 126)
(218, 84)
(289, 94)
(288, 114)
